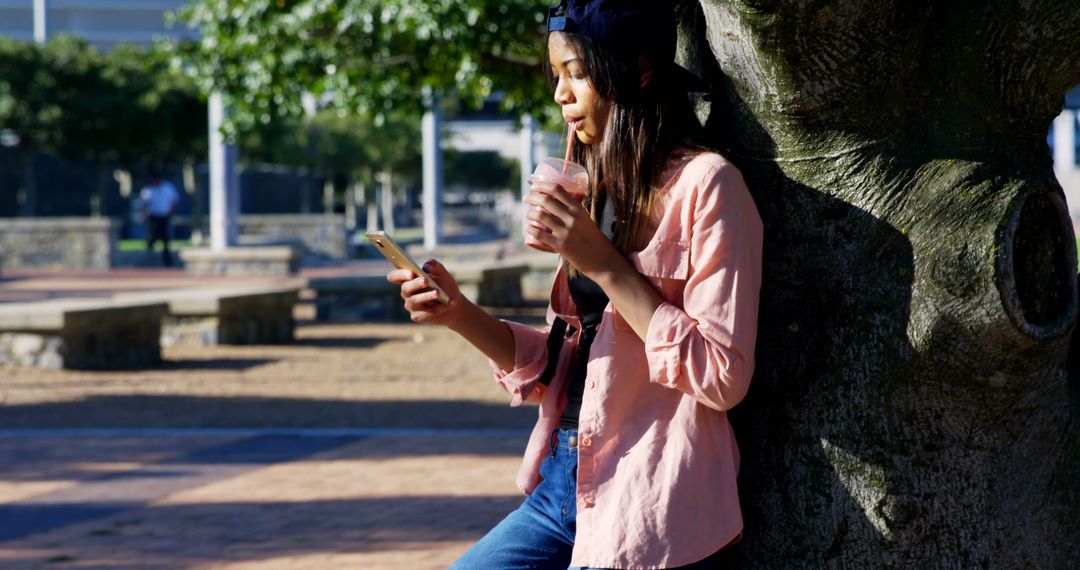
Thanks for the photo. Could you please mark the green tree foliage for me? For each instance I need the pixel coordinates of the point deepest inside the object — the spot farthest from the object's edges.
(376, 58)
(26, 105)
(170, 122)
(126, 108)
(482, 170)
(335, 146)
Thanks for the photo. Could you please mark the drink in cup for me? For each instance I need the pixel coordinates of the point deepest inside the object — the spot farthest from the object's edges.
(555, 171)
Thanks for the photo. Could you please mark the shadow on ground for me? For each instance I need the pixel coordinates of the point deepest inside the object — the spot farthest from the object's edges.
(340, 342)
(142, 411)
(119, 519)
(222, 364)
(253, 531)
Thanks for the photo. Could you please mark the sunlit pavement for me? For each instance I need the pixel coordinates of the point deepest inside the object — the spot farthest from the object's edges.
(251, 498)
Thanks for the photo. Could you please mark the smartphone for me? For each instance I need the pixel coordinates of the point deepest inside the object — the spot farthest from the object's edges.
(393, 252)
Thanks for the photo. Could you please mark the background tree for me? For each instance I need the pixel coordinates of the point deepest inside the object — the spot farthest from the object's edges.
(375, 56)
(27, 109)
(485, 170)
(343, 150)
(910, 404)
(99, 105)
(127, 108)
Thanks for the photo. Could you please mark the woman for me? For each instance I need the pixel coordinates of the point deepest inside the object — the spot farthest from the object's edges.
(652, 320)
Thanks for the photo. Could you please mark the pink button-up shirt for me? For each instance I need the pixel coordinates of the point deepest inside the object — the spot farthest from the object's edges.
(657, 459)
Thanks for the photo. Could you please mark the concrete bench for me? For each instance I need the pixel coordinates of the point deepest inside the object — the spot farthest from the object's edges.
(225, 315)
(463, 253)
(491, 271)
(91, 334)
(536, 284)
(58, 243)
(264, 261)
(490, 284)
(372, 298)
(355, 299)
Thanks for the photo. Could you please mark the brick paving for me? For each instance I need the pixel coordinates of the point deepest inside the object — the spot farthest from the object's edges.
(253, 500)
(131, 470)
(357, 446)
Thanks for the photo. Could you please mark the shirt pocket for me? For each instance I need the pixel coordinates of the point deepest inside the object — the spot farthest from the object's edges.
(666, 265)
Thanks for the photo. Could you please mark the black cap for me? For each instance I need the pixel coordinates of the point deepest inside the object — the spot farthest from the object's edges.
(643, 26)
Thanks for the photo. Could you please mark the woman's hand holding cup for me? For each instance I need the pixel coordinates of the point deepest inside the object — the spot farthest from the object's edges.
(559, 223)
(552, 173)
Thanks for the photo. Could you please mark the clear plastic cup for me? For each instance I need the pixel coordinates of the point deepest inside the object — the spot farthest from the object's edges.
(550, 172)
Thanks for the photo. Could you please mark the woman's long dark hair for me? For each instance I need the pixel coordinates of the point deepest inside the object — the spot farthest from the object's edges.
(644, 125)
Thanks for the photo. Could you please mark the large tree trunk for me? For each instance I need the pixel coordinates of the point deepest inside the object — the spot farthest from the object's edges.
(910, 405)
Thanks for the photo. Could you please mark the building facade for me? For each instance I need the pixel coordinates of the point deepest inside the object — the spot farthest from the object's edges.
(104, 23)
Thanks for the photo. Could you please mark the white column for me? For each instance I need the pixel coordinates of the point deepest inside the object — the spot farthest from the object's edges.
(528, 152)
(432, 206)
(224, 181)
(527, 158)
(40, 25)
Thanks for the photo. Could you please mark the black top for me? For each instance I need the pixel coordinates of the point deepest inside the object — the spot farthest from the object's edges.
(591, 302)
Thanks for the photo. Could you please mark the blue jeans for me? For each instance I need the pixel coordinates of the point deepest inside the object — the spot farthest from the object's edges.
(539, 535)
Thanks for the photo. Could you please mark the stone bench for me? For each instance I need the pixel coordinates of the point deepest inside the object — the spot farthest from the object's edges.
(245, 261)
(536, 284)
(81, 334)
(321, 234)
(490, 284)
(462, 253)
(233, 315)
(355, 299)
(501, 261)
(372, 298)
(58, 243)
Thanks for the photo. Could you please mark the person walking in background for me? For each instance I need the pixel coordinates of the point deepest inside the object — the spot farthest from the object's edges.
(159, 201)
(652, 321)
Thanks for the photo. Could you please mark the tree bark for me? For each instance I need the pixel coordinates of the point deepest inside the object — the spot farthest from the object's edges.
(911, 402)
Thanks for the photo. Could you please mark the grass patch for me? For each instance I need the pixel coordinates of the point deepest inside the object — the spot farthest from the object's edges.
(140, 245)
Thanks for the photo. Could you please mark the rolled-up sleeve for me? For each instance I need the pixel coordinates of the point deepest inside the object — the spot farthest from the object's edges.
(530, 359)
(706, 348)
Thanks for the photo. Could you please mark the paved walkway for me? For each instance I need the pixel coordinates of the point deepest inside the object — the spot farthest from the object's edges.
(20, 285)
(179, 496)
(238, 499)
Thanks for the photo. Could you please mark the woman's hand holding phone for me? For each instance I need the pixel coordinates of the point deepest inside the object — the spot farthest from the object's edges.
(421, 300)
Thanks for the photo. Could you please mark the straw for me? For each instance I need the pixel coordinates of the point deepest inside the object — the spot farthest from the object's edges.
(569, 147)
